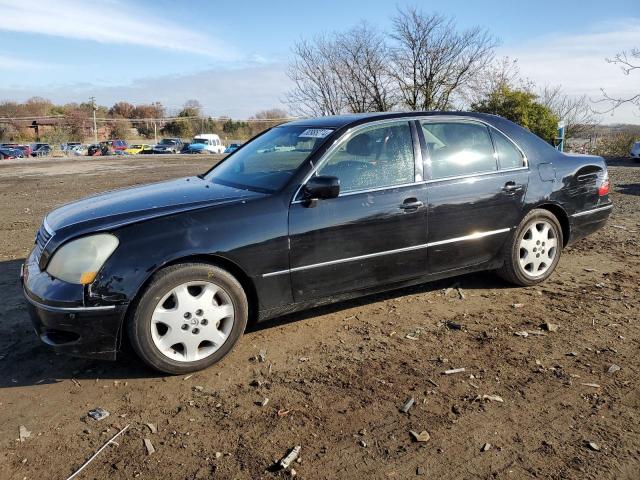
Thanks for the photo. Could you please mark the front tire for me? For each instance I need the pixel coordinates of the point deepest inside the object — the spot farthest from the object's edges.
(189, 317)
(534, 250)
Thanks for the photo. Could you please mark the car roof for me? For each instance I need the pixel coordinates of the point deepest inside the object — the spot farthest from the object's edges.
(339, 121)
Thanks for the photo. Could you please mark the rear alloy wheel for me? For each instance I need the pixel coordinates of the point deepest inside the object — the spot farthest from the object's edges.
(534, 250)
(189, 317)
(538, 248)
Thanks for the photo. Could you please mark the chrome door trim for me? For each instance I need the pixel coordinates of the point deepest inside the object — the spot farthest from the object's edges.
(481, 174)
(473, 236)
(593, 210)
(369, 190)
(424, 182)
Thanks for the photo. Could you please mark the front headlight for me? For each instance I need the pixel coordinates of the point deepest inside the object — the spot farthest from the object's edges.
(80, 260)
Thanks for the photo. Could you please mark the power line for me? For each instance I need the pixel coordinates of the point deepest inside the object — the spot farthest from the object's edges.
(147, 119)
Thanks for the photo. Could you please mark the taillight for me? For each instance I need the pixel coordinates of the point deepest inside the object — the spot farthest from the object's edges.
(605, 186)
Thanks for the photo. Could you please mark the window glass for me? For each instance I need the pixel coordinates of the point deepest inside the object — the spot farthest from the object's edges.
(508, 155)
(378, 156)
(458, 148)
(268, 161)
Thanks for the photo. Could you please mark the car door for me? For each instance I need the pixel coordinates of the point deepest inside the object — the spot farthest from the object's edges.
(475, 191)
(375, 231)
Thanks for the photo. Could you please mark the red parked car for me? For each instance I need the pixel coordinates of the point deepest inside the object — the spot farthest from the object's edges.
(26, 149)
(116, 145)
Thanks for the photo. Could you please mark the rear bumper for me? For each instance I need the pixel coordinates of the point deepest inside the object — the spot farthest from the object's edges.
(64, 322)
(588, 221)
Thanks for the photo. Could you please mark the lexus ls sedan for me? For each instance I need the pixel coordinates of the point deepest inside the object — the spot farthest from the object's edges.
(308, 212)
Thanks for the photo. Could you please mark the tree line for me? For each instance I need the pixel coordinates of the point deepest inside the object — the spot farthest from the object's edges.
(74, 121)
(425, 62)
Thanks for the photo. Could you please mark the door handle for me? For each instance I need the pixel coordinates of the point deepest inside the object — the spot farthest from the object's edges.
(411, 204)
(511, 188)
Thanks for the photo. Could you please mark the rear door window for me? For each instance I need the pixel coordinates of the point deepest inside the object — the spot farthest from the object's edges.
(509, 156)
(458, 148)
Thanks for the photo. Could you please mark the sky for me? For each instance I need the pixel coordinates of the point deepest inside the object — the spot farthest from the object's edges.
(232, 56)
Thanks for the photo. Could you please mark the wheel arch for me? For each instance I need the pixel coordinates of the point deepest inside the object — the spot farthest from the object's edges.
(211, 259)
(563, 219)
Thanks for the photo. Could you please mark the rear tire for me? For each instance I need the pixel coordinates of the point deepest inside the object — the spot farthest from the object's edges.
(534, 250)
(189, 317)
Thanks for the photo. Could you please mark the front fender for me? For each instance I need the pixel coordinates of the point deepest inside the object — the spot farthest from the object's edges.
(251, 236)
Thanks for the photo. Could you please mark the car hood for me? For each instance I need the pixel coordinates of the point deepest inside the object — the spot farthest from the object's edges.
(130, 205)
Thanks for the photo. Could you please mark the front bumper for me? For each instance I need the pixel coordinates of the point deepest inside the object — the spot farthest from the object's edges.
(62, 319)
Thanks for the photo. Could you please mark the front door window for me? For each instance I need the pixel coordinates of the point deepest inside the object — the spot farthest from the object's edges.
(376, 157)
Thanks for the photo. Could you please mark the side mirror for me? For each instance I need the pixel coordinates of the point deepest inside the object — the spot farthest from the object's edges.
(322, 187)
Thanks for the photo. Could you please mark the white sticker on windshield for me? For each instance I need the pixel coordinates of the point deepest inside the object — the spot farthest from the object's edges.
(315, 132)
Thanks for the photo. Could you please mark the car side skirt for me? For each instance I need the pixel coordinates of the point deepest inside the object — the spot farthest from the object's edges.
(265, 315)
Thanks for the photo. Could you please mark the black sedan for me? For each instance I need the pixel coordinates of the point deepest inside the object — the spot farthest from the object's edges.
(308, 212)
(41, 151)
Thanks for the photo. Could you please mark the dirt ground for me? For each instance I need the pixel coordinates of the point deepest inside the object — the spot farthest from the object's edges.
(336, 377)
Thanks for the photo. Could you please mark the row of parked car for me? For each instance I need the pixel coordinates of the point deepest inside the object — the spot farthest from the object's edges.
(203, 143)
(16, 150)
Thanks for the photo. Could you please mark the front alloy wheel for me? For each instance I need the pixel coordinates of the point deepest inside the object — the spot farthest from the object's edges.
(189, 317)
(192, 321)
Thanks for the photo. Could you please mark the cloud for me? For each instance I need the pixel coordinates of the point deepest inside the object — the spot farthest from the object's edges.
(108, 21)
(8, 62)
(237, 93)
(577, 61)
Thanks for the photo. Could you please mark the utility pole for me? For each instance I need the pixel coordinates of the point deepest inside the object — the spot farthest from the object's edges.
(95, 127)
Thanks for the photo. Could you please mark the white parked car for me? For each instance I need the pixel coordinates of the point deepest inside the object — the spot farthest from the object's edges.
(635, 150)
(206, 143)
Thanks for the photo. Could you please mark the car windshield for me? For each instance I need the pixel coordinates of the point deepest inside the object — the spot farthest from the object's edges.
(136, 146)
(199, 140)
(266, 163)
(166, 141)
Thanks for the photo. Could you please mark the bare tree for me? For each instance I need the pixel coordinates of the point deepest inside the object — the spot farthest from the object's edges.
(629, 61)
(271, 114)
(361, 61)
(432, 61)
(191, 108)
(342, 72)
(575, 111)
(316, 85)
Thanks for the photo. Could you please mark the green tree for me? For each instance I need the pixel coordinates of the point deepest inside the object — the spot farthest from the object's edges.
(178, 128)
(521, 107)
